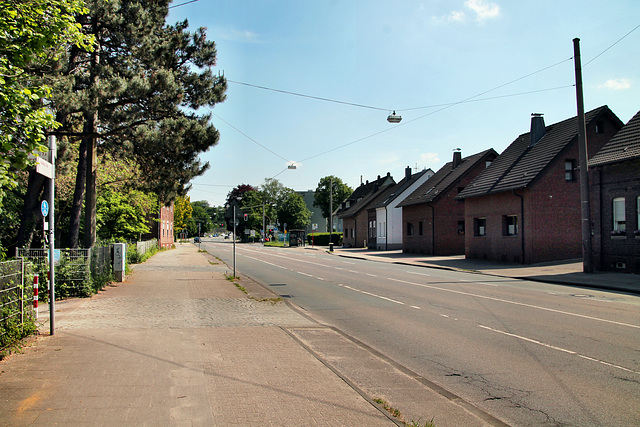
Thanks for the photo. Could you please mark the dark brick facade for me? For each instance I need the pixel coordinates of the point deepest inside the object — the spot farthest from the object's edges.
(616, 252)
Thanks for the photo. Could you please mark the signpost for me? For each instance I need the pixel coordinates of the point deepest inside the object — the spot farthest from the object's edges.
(48, 169)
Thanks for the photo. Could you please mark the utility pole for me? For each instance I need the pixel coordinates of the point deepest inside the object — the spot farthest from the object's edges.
(587, 253)
(330, 211)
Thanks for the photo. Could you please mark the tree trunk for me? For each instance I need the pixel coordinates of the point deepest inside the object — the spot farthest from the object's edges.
(31, 209)
(78, 196)
(91, 193)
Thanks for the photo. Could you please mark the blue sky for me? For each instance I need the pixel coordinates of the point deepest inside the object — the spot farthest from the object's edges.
(462, 73)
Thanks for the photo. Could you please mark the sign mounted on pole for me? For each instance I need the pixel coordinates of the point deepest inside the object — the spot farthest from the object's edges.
(44, 208)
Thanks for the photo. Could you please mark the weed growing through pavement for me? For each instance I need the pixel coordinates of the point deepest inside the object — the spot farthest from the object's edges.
(239, 286)
(397, 414)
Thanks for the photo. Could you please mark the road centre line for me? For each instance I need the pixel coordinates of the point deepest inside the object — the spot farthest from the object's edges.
(514, 303)
(304, 274)
(372, 275)
(297, 260)
(370, 294)
(418, 274)
(564, 350)
(266, 262)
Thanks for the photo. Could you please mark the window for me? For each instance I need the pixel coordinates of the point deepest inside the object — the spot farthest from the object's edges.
(480, 226)
(599, 126)
(352, 233)
(409, 229)
(460, 227)
(510, 227)
(638, 212)
(569, 170)
(619, 224)
(420, 228)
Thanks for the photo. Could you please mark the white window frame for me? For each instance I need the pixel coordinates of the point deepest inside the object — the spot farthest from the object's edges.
(618, 214)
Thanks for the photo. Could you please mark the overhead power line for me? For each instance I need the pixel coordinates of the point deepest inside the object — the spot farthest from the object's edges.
(615, 43)
(309, 96)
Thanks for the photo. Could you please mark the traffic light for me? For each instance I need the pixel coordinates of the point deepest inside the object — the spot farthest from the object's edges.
(246, 217)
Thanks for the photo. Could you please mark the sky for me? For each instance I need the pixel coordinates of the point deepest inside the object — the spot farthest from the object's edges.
(311, 83)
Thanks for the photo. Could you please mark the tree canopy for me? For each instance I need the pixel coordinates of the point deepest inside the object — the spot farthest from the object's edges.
(327, 185)
(32, 34)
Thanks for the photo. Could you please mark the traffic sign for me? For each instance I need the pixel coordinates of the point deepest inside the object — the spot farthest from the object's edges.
(44, 208)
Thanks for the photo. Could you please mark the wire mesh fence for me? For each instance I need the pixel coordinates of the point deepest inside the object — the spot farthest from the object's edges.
(16, 299)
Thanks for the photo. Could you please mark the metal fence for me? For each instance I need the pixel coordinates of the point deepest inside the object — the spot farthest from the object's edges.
(76, 269)
(15, 300)
(144, 247)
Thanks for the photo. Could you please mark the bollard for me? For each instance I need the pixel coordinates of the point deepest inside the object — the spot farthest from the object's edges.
(35, 294)
(331, 247)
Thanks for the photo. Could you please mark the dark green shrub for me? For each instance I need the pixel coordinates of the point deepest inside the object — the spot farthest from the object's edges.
(322, 239)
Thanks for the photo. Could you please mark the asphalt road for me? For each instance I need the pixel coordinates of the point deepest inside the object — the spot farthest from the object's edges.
(528, 353)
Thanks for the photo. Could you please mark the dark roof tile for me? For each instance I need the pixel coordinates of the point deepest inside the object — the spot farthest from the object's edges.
(625, 145)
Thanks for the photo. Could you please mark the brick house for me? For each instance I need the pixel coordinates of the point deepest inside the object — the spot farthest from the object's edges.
(615, 201)
(353, 211)
(162, 227)
(385, 217)
(432, 218)
(525, 207)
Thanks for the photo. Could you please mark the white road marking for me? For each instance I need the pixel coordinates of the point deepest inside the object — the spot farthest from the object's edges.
(370, 294)
(418, 274)
(564, 350)
(583, 316)
(304, 274)
(372, 275)
(416, 307)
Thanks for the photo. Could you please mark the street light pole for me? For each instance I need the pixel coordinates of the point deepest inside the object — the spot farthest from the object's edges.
(234, 240)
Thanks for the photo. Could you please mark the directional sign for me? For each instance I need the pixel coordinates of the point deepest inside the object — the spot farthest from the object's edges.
(44, 208)
(43, 167)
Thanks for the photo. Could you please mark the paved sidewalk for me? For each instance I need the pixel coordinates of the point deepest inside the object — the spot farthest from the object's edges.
(564, 272)
(178, 344)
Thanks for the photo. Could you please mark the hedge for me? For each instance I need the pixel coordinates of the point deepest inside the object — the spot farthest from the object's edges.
(322, 239)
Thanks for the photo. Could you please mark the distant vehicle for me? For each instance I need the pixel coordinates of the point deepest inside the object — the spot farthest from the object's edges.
(196, 239)
(226, 236)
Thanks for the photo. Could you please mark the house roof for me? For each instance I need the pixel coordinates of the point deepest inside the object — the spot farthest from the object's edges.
(364, 195)
(442, 180)
(396, 190)
(625, 145)
(520, 163)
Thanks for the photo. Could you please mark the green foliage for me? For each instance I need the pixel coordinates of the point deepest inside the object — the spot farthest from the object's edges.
(293, 211)
(13, 327)
(182, 212)
(322, 239)
(33, 33)
(134, 257)
(123, 216)
(326, 186)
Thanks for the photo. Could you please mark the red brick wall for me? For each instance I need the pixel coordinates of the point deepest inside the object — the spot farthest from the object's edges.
(415, 243)
(552, 217)
(165, 227)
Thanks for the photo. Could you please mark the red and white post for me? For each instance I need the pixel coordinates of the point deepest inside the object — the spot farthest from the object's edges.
(35, 294)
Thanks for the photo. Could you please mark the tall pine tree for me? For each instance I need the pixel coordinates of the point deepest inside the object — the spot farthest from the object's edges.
(136, 95)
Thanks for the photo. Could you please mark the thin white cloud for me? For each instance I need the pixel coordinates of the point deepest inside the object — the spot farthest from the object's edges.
(616, 84)
(478, 10)
(483, 9)
(243, 36)
(429, 158)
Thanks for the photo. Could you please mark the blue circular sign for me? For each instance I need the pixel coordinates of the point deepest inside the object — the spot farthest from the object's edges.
(44, 208)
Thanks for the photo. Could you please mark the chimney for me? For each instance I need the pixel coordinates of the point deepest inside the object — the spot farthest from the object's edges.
(407, 173)
(457, 158)
(537, 129)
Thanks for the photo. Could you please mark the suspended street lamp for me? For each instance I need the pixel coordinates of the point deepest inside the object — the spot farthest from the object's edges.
(394, 118)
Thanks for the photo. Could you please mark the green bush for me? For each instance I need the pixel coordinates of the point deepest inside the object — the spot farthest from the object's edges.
(322, 239)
